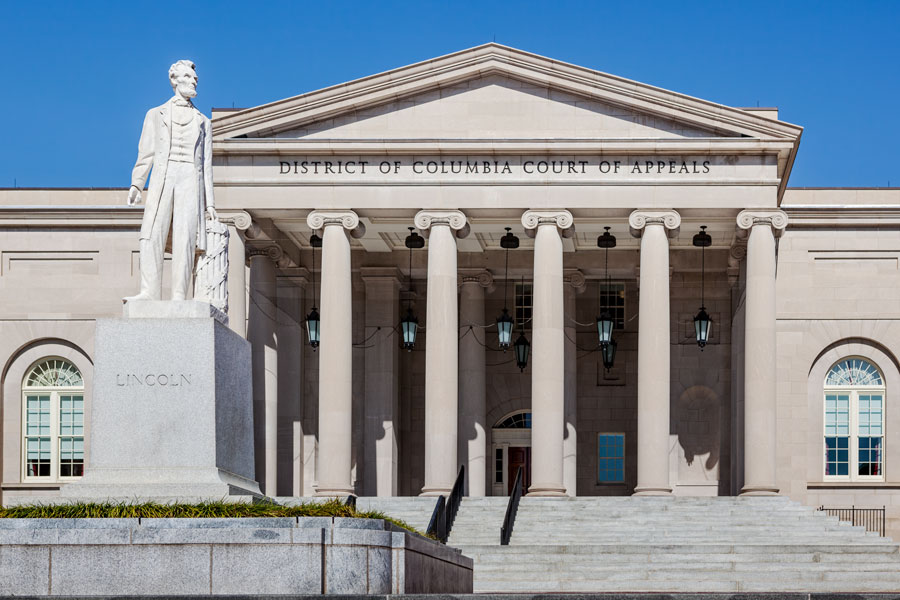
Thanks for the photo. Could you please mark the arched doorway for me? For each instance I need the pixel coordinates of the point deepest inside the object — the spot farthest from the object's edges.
(511, 449)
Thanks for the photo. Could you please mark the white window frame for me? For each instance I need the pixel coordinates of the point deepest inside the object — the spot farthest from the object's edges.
(853, 391)
(55, 438)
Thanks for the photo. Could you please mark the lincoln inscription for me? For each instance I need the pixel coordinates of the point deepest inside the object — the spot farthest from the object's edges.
(153, 379)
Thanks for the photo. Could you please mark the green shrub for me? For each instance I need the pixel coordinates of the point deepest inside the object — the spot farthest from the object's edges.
(203, 510)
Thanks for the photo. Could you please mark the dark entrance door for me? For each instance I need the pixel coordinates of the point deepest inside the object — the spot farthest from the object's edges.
(519, 457)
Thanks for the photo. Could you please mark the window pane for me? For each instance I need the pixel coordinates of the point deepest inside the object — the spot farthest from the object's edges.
(610, 457)
(71, 457)
(837, 455)
(37, 457)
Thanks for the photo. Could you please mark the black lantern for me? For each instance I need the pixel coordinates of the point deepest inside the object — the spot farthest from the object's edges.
(522, 348)
(409, 325)
(605, 322)
(504, 321)
(608, 352)
(702, 322)
(313, 321)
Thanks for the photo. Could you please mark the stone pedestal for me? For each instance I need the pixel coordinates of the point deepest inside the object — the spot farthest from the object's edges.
(172, 413)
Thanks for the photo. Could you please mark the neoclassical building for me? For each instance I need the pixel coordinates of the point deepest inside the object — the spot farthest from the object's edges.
(794, 392)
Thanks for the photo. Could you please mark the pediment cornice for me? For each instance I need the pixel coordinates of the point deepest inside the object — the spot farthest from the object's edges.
(490, 59)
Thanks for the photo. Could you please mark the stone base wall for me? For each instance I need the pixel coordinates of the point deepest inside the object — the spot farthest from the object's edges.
(318, 555)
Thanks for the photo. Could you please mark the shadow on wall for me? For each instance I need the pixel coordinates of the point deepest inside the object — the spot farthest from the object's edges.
(695, 420)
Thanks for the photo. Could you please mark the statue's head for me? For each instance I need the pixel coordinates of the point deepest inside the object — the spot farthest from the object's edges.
(183, 78)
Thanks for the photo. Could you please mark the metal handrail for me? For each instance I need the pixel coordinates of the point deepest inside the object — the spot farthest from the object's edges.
(436, 524)
(445, 509)
(512, 508)
(873, 519)
(454, 500)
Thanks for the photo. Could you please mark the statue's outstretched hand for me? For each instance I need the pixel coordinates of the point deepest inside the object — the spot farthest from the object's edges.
(134, 196)
(211, 213)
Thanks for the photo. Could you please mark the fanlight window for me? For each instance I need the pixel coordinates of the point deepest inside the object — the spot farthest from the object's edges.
(520, 420)
(53, 421)
(54, 372)
(854, 421)
(853, 371)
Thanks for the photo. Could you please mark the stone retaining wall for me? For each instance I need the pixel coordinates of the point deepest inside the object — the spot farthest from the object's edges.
(316, 555)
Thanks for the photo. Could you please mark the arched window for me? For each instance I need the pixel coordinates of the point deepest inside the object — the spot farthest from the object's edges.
(53, 421)
(854, 421)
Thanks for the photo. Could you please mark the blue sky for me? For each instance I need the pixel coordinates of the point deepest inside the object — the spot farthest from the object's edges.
(79, 75)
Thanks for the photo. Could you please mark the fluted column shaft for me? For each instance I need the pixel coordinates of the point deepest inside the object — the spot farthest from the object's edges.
(472, 383)
(653, 350)
(441, 351)
(264, 358)
(335, 354)
(759, 351)
(237, 282)
(548, 353)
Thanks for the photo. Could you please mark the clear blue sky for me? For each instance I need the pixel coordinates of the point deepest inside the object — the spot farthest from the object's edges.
(79, 76)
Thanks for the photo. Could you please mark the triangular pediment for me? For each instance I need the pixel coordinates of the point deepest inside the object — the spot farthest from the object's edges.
(491, 92)
(495, 107)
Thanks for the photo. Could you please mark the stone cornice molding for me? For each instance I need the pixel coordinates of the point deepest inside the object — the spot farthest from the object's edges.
(776, 219)
(576, 279)
(240, 220)
(426, 219)
(639, 219)
(482, 277)
(563, 219)
(299, 276)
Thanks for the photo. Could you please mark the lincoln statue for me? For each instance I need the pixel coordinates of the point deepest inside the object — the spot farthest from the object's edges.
(176, 142)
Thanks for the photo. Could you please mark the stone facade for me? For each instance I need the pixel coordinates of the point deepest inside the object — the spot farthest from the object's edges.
(493, 133)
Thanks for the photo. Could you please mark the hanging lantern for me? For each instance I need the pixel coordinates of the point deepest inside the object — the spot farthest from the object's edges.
(504, 329)
(312, 327)
(605, 322)
(702, 322)
(605, 325)
(313, 321)
(409, 325)
(701, 327)
(504, 321)
(522, 348)
(608, 352)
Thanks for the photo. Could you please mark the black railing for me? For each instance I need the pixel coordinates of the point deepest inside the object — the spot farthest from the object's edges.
(445, 509)
(437, 523)
(870, 518)
(511, 509)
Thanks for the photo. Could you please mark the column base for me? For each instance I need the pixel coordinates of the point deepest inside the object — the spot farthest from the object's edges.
(759, 490)
(652, 491)
(334, 492)
(436, 491)
(550, 491)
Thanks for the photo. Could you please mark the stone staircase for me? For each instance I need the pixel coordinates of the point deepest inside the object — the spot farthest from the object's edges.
(656, 544)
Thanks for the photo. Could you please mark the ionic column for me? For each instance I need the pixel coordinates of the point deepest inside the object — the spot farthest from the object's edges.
(237, 267)
(264, 358)
(335, 352)
(548, 352)
(472, 387)
(441, 344)
(575, 284)
(382, 410)
(759, 350)
(291, 335)
(653, 227)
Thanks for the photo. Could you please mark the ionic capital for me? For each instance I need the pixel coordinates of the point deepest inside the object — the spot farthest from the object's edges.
(482, 277)
(639, 219)
(776, 219)
(348, 219)
(272, 251)
(575, 278)
(563, 219)
(426, 219)
(239, 220)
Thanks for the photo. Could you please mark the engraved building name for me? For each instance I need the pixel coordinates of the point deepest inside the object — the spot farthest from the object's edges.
(153, 379)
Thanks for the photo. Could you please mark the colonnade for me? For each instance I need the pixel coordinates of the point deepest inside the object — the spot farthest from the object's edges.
(454, 366)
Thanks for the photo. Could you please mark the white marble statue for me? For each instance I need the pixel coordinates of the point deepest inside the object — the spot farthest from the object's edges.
(176, 142)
